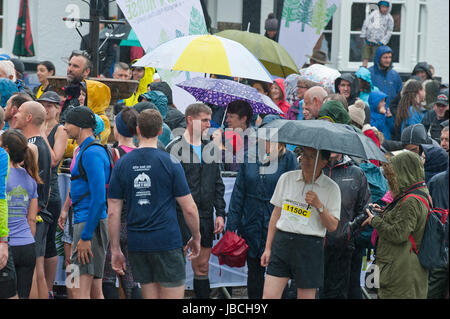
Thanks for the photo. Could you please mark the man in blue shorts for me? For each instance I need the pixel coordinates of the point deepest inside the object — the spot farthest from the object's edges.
(152, 182)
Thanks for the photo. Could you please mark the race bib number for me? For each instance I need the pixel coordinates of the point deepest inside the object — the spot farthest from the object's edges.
(299, 211)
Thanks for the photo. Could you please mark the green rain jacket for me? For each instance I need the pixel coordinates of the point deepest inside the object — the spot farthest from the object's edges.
(401, 274)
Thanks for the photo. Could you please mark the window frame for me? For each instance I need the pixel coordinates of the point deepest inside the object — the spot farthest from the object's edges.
(408, 40)
(2, 18)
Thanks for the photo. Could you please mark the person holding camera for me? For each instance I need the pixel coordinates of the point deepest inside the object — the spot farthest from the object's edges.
(401, 273)
(343, 257)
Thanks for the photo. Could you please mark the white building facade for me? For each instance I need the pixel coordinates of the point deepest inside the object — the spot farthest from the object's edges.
(421, 29)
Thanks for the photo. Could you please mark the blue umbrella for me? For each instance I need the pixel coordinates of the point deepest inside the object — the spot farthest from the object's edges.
(221, 92)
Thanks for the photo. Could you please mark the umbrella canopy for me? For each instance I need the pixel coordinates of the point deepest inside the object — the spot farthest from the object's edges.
(117, 32)
(131, 41)
(271, 54)
(323, 135)
(23, 41)
(321, 74)
(222, 92)
(206, 54)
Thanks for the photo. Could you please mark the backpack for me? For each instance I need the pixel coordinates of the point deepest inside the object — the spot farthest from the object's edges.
(82, 172)
(433, 251)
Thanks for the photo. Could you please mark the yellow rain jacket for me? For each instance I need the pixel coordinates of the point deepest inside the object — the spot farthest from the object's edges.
(98, 99)
(142, 88)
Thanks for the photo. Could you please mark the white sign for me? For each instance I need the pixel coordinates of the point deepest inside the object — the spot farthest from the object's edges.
(302, 23)
(158, 21)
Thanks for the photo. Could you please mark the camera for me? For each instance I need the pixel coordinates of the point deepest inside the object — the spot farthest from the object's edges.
(355, 224)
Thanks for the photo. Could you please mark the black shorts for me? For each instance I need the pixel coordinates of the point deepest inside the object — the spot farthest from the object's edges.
(8, 281)
(41, 238)
(53, 207)
(206, 232)
(299, 257)
(168, 268)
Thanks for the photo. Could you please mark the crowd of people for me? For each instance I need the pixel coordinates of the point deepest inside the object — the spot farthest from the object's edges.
(138, 208)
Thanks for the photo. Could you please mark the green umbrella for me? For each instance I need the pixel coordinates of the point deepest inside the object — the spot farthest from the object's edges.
(272, 55)
(131, 41)
(23, 41)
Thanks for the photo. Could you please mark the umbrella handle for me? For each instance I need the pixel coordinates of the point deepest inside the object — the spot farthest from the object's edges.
(314, 175)
(224, 115)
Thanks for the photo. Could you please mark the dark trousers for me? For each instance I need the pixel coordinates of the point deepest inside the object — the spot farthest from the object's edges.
(255, 278)
(24, 262)
(342, 272)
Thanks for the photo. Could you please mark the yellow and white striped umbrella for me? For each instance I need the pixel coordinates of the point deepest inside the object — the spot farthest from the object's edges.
(206, 54)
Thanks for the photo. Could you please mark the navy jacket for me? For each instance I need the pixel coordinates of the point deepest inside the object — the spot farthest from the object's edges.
(388, 81)
(436, 160)
(438, 187)
(250, 208)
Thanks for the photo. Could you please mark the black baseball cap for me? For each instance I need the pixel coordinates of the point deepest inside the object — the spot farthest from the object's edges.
(442, 97)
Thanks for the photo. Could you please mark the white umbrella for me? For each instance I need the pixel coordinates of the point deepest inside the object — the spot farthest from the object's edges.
(206, 54)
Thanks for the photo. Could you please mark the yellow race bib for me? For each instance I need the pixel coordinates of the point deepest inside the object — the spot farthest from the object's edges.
(297, 211)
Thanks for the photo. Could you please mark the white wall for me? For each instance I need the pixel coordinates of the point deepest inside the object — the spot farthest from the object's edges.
(266, 8)
(229, 11)
(52, 39)
(437, 48)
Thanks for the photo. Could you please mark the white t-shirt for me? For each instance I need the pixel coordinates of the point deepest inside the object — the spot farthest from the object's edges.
(296, 216)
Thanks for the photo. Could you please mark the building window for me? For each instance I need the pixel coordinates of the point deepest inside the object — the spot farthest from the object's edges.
(327, 38)
(421, 32)
(1, 23)
(359, 11)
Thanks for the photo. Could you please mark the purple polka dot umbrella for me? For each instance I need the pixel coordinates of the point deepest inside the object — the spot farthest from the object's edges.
(221, 92)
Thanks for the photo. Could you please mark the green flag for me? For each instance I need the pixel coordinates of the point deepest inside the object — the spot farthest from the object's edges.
(23, 41)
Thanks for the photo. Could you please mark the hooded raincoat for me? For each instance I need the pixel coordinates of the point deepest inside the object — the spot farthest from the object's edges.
(282, 104)
(380, 121)
(364, 74)
(250, 208)
(388, 81)
(436, 160)
(354, 91)
(7, 89)
(98, 98)
(159, 99)
(378, 27)
(142, 88)
(401, 274)
(335, 112)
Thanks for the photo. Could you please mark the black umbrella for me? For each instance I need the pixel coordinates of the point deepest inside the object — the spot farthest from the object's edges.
(323, 135)
(116, 32)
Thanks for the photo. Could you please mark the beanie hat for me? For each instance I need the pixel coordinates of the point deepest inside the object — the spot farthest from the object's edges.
(334, 110)
(357, 113)
(82, 117)
(271, 23)
(99, 125)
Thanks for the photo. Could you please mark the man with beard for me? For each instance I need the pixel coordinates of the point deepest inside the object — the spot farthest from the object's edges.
(433, 118)
(78, 70)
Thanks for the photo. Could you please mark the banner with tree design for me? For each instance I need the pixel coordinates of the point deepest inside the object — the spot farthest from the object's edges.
(302, 23)
(156, 22)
